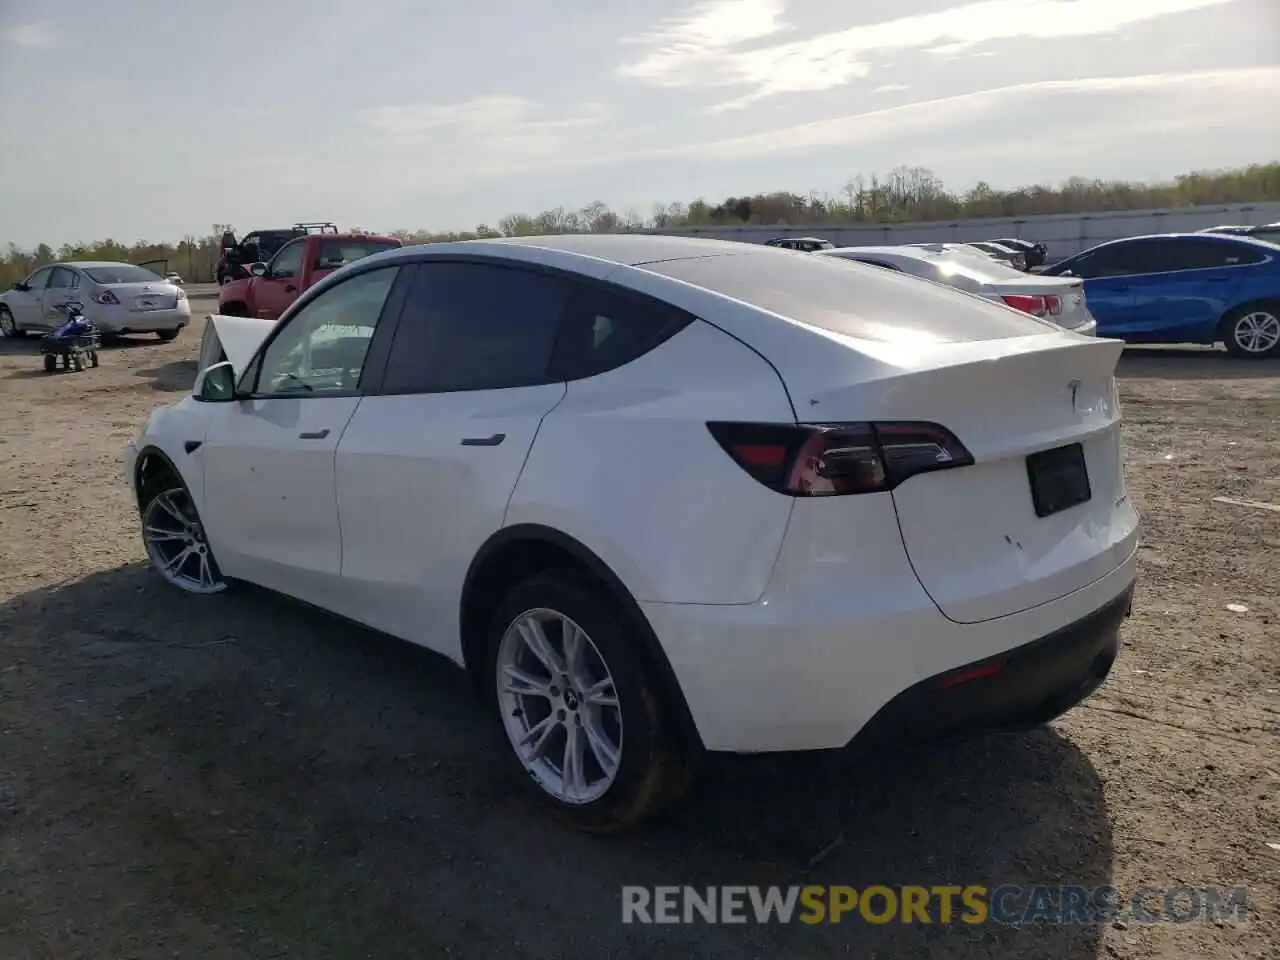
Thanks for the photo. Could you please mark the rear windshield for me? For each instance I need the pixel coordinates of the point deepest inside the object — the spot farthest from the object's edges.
(121, 273)
(338, 253)
(850, 298)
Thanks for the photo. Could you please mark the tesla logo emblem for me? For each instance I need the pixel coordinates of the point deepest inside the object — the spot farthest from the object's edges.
(1074, 387)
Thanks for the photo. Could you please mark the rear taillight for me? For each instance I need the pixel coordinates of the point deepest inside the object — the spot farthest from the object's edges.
(1037, 306)
(836, 459)
(1026, 303)
(105, 297)
(181, 294)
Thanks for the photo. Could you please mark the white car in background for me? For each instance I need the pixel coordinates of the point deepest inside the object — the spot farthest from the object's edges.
(659, 495)
(1058, 299)
(119, 298)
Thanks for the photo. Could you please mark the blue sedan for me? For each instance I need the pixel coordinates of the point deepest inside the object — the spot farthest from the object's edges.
(1183, 288)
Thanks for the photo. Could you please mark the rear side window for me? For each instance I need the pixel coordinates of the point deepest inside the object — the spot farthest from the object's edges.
(333, 254)
(604, 329)
(1191, 253)
(822, 292)
(473, 326)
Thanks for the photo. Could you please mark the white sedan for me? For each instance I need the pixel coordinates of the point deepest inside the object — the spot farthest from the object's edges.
(1059, 299)
(118, 297)
(660, 495)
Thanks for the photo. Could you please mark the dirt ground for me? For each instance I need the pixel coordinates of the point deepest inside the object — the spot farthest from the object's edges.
(240, 777)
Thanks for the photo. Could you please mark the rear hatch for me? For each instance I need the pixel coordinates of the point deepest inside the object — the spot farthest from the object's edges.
(1042, 510)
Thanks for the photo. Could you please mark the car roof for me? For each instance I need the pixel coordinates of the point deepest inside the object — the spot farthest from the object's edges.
(623, 249)
(1200, 235)
(83, 264)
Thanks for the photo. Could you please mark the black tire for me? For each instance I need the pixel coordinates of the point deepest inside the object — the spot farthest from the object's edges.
(9, 326)
(654, 767)
(50, 363)
(166, 335)
(1230, 333)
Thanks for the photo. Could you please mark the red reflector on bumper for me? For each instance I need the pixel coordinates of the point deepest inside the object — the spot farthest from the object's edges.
(968, 674)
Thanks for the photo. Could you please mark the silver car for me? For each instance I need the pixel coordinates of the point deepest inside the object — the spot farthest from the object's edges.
(1058, 299)
(118, 297)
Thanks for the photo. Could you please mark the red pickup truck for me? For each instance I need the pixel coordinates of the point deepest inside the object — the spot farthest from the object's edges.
(271, 287)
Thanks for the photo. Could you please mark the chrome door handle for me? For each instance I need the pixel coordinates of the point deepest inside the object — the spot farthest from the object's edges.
(492, 441)
(314, 435)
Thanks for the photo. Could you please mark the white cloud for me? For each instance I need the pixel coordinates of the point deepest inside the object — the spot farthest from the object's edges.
(834, 59)
(1207, 100)
(32, 35)
(678, 50)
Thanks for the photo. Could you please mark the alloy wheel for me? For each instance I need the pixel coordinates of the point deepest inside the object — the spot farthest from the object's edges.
(7, 326)
(1257, 331)
(176, 543)
(559, 706)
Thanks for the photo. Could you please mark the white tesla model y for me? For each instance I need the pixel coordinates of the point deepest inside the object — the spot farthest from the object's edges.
(660, 495)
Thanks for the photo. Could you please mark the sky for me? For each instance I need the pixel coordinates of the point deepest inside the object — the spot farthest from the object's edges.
(142, 119)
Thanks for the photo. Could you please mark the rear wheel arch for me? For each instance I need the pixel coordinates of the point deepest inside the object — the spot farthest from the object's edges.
(515, 553)
(1226, 323)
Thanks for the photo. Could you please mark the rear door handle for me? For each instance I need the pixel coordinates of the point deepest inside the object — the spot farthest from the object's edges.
(492, 441)
(314, 434)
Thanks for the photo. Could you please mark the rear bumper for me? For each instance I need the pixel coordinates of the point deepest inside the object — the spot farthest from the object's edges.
(814, 667)
(1022, 687)
(150, 321)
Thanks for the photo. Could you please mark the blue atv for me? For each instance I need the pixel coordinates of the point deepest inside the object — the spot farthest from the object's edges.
(76, 341)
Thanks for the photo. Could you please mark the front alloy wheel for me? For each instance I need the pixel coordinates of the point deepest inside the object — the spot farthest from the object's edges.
(176, 543)
(1255, 332)
(8, 327)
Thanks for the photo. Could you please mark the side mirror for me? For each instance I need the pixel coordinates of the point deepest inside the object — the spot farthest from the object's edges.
(20, 286)
(216, 384)
(258, 269)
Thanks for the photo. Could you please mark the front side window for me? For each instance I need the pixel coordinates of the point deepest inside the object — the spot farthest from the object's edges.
(39, 280)
(322, 349)
(288, 262)
(475, 326)
(1113, 260)
(63, 279)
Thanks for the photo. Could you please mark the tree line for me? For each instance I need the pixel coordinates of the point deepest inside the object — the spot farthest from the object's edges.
(905, 194)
